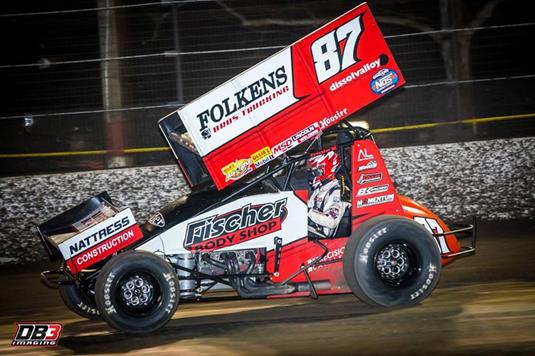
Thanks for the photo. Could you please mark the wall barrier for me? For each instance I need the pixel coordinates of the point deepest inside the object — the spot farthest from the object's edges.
(492, 179)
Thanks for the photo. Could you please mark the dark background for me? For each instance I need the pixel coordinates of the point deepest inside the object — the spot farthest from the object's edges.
(461, 60)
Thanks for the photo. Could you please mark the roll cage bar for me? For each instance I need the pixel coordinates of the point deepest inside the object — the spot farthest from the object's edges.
(290, 163)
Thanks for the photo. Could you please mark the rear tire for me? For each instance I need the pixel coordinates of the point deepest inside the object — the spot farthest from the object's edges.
(137, 292)
(391, 261)
(79, 301)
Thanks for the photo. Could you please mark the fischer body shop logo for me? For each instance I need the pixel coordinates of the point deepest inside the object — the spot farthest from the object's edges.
(246, 223)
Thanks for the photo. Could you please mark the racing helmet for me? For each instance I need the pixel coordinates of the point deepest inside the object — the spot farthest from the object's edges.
(323, 168)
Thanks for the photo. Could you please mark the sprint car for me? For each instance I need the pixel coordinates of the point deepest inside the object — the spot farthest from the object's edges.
(288, 198)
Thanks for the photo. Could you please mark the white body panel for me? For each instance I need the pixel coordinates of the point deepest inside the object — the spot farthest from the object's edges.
(250, 222)
(277, 69)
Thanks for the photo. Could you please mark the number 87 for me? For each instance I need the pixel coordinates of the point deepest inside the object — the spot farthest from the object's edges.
(328, 60)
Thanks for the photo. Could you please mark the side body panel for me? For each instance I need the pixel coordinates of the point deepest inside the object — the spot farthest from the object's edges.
(249, 222)
(255, 221)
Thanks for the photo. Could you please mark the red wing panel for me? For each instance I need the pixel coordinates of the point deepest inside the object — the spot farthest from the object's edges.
(291, 96)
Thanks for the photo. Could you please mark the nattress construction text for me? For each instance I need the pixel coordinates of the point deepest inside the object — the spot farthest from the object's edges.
(100, 241)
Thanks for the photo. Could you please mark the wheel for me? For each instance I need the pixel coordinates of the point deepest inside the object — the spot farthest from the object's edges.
(79, 301)
(391, 261)
(137, 292)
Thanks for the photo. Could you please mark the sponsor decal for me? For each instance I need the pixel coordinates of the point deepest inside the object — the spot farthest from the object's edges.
(364, 155)
(261, 154)
(366, 178)
(309, 132)
(375, 200)
(306, 133)
(282, 147)
(227, 111)
(334, 255)
(355, 74)
(373, 190)
(237, 169)
(97, 233)
(331, 55)
(264, 161)
(157, 220)
(105, 249)
(37, 334)
(289, 143)
(384, 81)
(240, 104)
(368, 166)
(331, 120)
(237, 226)
(303, 135)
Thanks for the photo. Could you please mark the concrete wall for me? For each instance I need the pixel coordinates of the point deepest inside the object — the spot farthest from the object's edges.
(491, 179)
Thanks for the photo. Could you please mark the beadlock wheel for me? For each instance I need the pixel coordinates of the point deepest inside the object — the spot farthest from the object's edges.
(396, 263)
(137, 292)
(391, 261)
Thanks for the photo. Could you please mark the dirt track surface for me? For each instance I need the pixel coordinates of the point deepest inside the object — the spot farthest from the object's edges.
(484, 305)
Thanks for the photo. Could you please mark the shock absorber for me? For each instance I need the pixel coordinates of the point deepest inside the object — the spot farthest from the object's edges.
(185, 278)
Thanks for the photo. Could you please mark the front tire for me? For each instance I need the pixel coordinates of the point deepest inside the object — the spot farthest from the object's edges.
(137, 292)
(391, 261)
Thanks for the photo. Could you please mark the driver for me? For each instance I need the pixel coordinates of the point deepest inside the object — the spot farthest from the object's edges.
(325, 207)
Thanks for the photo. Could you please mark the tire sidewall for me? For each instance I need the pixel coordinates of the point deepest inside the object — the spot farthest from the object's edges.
(361, 271)
(79, 302)
(108, 289)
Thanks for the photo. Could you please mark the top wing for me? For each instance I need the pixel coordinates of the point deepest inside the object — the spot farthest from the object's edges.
(290, 97)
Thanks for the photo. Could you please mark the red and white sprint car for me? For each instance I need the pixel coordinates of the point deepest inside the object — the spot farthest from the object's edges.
(288, 198)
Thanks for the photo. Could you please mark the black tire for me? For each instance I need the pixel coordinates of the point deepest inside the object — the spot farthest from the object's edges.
(79, 301)
(375, 249)
(137, 292)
